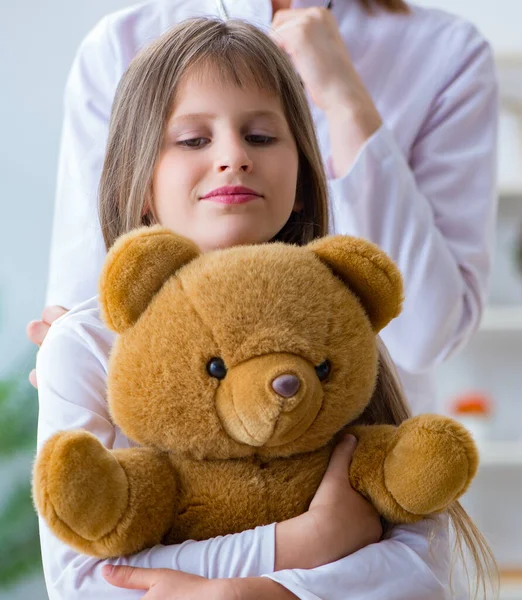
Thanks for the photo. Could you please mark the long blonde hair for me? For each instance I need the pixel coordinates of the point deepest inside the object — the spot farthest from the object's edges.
(388, 406)
(240, 54)
(236, 53)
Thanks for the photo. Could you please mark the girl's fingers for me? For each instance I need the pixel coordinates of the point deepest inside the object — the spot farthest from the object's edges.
(335, 485)
(132, 578)
(51, 313)
(36, 331)
(341, 458)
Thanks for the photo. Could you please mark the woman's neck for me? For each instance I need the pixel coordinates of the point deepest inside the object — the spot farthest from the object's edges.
(280, 4)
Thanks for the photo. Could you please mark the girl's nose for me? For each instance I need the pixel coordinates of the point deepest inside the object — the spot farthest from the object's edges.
(229, 165)
(235, 159)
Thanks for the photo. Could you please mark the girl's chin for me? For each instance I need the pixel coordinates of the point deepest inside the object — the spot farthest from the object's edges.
(227, 239)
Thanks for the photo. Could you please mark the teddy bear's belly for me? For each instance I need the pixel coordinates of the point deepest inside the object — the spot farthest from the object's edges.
(221, 497)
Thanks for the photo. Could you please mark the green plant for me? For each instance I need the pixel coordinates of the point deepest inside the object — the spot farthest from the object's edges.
(19, 541)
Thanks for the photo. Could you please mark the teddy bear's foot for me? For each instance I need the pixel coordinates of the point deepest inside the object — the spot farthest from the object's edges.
(430, 464)
(79, 487)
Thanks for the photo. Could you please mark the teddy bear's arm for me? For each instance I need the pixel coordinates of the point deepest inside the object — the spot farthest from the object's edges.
(414, 470)
(103, 502)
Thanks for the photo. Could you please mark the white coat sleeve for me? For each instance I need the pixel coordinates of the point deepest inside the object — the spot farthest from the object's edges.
(433, 212)
(77, 248)
(414, 563)
(71, 393)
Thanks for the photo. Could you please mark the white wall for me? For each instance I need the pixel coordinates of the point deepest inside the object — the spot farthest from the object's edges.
(499, 20)
(37, 44)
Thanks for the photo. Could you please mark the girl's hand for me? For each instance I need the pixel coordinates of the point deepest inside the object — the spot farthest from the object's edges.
(37, 330)
(164, 584)
(339, 521)
(349, 519)
(312, 39)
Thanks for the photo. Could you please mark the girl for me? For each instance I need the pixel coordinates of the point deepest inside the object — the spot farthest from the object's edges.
(208, 112)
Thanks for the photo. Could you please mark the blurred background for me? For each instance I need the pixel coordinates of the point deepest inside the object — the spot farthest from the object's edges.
(482, 385)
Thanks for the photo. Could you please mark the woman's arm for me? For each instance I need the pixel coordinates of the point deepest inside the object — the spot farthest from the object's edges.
(433, 211)
(77, 248)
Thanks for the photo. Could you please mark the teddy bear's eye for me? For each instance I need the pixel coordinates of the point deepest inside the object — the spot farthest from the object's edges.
(216, 368)
(323, 370)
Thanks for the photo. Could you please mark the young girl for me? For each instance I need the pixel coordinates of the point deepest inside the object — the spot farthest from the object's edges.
(211, 136)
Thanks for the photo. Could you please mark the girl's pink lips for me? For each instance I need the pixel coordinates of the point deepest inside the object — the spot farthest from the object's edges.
(231, 194)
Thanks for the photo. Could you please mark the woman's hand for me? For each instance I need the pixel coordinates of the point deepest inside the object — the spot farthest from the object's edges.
(312, 39)
(164, 584)
(37, 330)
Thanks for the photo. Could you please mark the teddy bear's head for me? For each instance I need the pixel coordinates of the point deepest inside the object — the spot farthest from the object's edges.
(267, 350)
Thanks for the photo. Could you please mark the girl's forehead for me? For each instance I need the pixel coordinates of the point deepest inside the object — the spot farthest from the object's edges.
(245, 71)
(204, 87)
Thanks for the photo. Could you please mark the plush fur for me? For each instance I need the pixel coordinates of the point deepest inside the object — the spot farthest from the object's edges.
(219, 456)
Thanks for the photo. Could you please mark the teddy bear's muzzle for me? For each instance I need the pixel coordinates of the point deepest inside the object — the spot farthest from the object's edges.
(269, 400)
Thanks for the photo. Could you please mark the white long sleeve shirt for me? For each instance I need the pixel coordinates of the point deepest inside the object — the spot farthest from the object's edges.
(72, 374)
(422, 188)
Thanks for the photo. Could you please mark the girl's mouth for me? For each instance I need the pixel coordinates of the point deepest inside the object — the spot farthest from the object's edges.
(231, 194)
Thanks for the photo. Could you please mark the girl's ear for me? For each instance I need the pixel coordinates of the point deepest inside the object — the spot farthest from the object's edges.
(135, 269)
(369, 273)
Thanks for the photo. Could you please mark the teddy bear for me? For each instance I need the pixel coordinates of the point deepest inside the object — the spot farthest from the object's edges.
(235, 372)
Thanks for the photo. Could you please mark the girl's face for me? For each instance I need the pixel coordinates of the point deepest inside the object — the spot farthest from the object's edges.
(227, 171)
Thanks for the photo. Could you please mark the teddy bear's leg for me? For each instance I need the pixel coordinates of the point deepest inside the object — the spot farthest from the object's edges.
(430, 464)
(102, 502)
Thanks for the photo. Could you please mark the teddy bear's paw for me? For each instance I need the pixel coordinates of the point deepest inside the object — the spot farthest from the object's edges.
(79, 486)
(430, 464)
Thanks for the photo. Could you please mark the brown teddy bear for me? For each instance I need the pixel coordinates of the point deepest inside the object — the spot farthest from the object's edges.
(235, 371)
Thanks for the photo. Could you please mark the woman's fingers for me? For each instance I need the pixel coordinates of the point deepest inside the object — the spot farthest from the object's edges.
(289, 15)
(51, 313)
(32, 379)
(132, 578)
(36, 331)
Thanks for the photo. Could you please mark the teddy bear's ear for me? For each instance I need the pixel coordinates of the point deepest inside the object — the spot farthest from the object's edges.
(135, 269)
(367, 271)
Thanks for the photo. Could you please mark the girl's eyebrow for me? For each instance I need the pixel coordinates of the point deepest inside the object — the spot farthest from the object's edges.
(251, 114)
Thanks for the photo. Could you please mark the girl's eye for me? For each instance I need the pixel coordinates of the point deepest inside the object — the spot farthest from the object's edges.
(260, 139)
(193, 142)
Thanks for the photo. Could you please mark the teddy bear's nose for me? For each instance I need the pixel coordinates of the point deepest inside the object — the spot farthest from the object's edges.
(286, 385)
